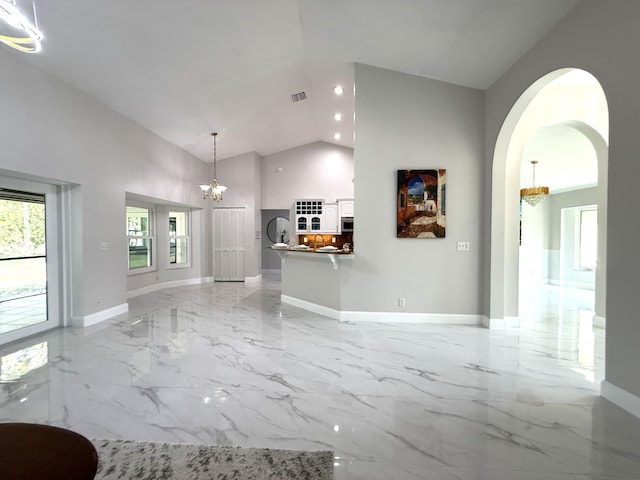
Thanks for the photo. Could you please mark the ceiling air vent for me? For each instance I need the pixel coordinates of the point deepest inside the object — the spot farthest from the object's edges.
(298, 97)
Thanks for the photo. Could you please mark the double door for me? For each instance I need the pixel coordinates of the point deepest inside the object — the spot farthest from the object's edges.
(308, 223)
(228, 244)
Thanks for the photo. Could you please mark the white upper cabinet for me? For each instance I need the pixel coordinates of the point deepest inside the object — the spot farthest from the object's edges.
(345, 207)
(331, 223)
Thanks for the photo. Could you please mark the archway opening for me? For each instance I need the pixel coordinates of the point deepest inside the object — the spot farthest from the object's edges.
(561, 121)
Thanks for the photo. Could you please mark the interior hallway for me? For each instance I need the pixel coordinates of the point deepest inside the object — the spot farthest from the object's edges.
(228, 364)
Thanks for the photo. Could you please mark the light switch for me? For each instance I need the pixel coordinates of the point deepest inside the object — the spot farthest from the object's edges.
(463, 246)
(104, 246)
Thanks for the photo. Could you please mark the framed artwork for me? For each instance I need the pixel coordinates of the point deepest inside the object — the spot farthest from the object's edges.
(421, 199)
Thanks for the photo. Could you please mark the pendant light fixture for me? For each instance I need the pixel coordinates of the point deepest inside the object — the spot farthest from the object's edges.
(213, 189)
(17, 31)
(534, 195)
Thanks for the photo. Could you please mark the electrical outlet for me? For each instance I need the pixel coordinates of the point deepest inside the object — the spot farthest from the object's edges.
(402, 302)
(99, 301)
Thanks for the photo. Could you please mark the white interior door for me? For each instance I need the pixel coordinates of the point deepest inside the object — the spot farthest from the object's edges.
(228, 244)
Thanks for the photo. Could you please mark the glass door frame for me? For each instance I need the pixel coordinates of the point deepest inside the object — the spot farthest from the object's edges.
(53, 256)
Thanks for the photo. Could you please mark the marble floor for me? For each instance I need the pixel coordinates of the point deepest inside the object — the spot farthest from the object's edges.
(228, 364)
(22, 312)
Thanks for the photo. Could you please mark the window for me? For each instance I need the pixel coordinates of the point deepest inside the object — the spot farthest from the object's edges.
(178, 238)
(141, 239)
(587, 237)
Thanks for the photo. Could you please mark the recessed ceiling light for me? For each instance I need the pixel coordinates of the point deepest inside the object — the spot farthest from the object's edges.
(338, 90)
(338, 117)
(337, 135)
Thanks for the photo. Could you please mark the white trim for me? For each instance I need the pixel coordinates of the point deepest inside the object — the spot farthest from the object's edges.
(401, 317)
(252, 280)
(500, 323)
(312, 307)
(88, 320)
(622, 398)
(599, 322)
(160, 286)
(386, 317)
(573, 284)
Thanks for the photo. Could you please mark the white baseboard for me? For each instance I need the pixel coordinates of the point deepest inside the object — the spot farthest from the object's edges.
(312, 307)
(622, 398)
(386, 317)
(252, 280)
(92, 319)
(159, 286)
(570, 284)
(500, 323)
(403, 317)
(599, 322)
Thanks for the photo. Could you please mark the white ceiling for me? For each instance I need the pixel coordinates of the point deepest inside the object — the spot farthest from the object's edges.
(184, 68)
(567, 158)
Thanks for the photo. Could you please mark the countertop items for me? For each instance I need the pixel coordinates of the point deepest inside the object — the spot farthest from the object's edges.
(330, 252)
(328, 248)
(306, 248)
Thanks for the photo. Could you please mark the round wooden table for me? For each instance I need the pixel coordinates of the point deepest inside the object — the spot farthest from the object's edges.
(41, 452)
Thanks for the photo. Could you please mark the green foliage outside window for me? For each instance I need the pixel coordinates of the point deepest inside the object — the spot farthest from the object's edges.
(22, 229)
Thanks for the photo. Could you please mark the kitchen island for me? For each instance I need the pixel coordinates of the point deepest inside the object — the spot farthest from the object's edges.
(312, 279)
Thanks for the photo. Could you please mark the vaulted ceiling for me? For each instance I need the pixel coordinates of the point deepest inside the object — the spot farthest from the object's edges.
(184, 68)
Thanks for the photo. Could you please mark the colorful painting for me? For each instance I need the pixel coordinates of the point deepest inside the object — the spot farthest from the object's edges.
(421, 203)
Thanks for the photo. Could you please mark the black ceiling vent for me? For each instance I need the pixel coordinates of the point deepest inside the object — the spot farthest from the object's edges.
(298, 97)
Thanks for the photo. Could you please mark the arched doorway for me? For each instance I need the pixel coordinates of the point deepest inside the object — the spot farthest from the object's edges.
(573, 100)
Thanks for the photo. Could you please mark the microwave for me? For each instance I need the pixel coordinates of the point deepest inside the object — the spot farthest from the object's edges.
(346, 224)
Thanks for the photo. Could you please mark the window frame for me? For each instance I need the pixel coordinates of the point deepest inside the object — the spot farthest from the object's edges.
(151, 236)
(186, 236)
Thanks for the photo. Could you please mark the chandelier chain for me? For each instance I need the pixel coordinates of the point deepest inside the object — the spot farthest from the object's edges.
(215, 134)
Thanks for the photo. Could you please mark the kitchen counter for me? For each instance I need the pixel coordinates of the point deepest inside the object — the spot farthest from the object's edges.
(335, 256)
(314, 280)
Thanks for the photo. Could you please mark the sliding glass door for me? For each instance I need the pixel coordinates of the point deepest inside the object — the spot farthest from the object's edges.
(28, 259)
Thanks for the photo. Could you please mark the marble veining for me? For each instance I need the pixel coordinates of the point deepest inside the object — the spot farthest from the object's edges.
(228, 364)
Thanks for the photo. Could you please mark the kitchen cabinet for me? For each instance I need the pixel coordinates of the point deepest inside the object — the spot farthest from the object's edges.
(302, 224)
(331, 220)
(345, 207)
(308, 215)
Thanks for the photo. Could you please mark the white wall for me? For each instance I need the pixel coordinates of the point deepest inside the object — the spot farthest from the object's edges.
(534, 248)
(563, 204)
(543, 228)
(317, 170)
(599, 37)
(55, 133)
(241, 174)
(408, 122)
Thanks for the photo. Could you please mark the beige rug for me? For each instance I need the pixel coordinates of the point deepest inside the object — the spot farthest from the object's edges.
(124, 460)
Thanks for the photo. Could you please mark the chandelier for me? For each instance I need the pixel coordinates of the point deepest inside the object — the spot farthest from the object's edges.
(18, 31)
(534, 195)
(213, 189)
